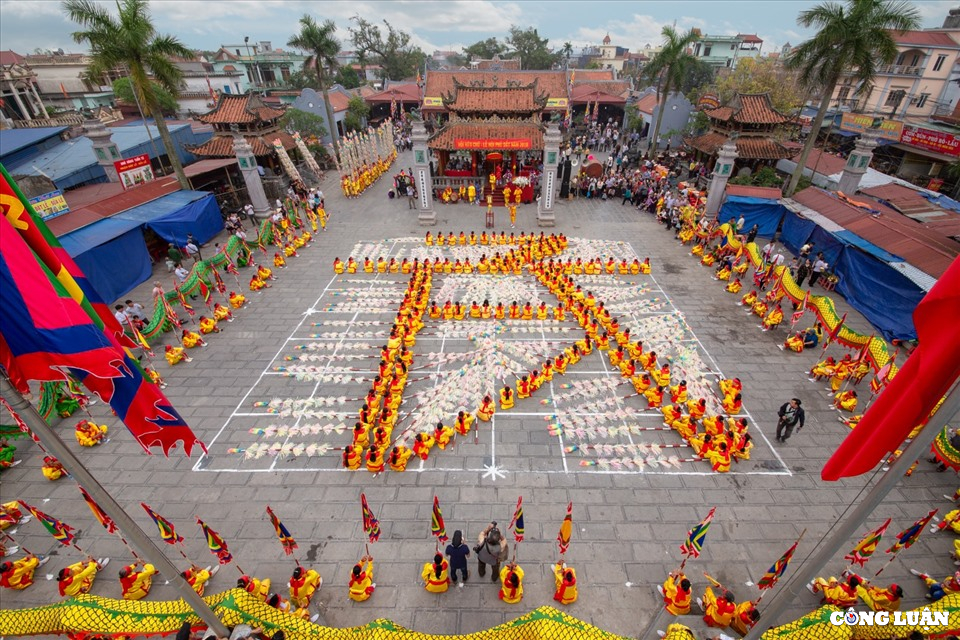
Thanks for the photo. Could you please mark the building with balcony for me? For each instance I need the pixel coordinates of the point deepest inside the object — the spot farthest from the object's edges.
(64, 84)
(916, 85)
(723, 52)
(262, 67)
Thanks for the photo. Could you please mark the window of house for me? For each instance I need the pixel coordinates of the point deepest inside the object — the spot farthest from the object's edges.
(732, 47)
(923, 100)
(915, 60)
(844, 93)
(706, 51)
(895, 97)
(939, 63)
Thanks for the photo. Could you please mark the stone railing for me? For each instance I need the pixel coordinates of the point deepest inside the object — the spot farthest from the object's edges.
(900, 70)
(67, 120)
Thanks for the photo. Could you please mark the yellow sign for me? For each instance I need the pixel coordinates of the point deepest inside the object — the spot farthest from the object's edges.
(50, 205)
(433, 102)
(885, 129)
(557, 103)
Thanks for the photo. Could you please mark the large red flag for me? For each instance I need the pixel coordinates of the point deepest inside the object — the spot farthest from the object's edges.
(912, 394)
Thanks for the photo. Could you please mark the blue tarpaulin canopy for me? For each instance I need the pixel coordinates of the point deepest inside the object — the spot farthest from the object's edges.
(113, 253)
(763, 212)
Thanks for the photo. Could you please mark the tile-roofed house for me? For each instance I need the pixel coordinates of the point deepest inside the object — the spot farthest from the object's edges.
(749, 108)
(924, 39)
(647, 103)
(912, 203)
(460, 134)
(257, 121)
(246, 109)
(581, 75)
(496, 64)
(441, 83)
(590, 93)
(753, 120)
(466, 99)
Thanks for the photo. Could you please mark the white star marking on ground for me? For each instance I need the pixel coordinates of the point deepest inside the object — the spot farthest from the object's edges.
(310, 311)
(493, 472)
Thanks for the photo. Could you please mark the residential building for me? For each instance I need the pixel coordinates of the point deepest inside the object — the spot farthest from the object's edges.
(915, 86)
(202, 81)
(262, 67)
(19, 99)
(612, 56)
(64, 84)
(724, 51)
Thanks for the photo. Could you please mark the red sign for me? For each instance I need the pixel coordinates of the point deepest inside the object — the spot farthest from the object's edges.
(134, 171)
(492, 143)
(932, 140)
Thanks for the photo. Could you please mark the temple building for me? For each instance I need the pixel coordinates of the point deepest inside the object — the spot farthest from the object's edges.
(492, 130)
(253, 119)
(758, 128)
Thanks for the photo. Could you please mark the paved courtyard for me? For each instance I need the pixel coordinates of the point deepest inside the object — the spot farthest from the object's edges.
(635, 491)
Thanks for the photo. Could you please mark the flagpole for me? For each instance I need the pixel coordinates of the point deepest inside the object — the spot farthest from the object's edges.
(83, 476)
(847, 527)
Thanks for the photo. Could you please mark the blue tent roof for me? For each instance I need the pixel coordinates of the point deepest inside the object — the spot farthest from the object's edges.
(13, 140)
(96, 234)
(73, 162)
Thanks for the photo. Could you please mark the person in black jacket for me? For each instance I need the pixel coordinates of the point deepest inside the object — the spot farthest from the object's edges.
(791, 415)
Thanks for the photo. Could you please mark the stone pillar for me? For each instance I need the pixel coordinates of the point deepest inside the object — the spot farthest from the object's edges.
(857, 163)
(103, 145)
(421, 174)
(23, 108)
(41, 108)
(722, 171)
(548, 181)
(251, 177)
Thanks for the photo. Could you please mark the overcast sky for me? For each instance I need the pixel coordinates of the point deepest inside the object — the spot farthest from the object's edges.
(448, 25)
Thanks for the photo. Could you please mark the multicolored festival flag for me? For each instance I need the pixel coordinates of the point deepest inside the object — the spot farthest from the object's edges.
(167, 532)
(795, 318)
(53, 323)
(775, 572)
(883, 375)
(867, 546)
(286, 540)
(908, 536)
(371, 525)
(98, 513)
(437, 527)
(517, 522)
(215, 543)
(695, 537)
(914, 392)
(60, 531)
(566, 530)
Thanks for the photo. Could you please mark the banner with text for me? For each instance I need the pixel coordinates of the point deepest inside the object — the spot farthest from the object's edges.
(492, 143)
(134, 171)
(884, 129)
(50, 205)
(931, 140)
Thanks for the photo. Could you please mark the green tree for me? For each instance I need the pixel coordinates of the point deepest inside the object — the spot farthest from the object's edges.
(765, 177)
(761, 75)
(485, 49)
(129, 40)
(534, 52)
(397, 58)
(357, 112)
(668, 67)
(301, 79)
(318, 40)
(347, 78)
(308, 124)
(698, 75)
(852, 38)
(123, 89)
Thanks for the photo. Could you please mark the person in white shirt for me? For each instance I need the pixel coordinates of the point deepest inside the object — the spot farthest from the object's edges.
(120, 315)
(181, 273)
(767, 250)
(818, 267)
(135, 311)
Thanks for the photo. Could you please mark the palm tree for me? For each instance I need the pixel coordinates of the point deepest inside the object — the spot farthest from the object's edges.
(318, 40)
(668, 67)
(853, 39)
(129, 40)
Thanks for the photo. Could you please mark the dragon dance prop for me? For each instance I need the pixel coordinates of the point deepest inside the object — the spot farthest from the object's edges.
(876, 351)
(89, 614)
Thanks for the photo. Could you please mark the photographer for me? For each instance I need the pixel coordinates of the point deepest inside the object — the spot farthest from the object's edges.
(491, 549)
